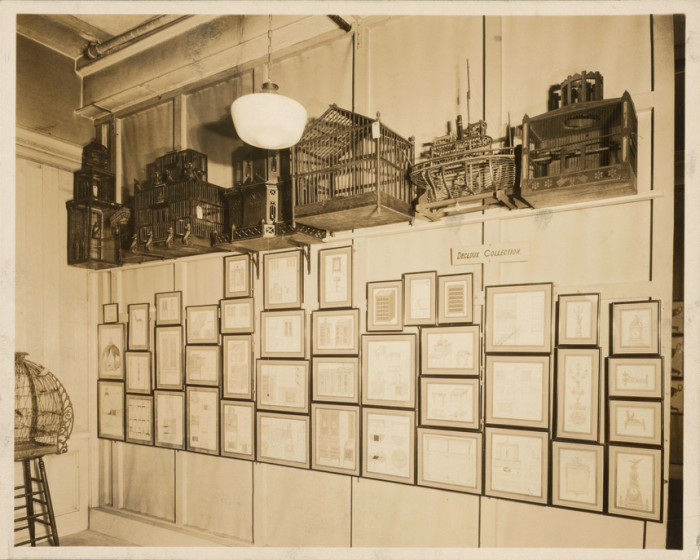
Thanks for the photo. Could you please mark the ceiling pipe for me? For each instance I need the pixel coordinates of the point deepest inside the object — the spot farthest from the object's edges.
(341, 22)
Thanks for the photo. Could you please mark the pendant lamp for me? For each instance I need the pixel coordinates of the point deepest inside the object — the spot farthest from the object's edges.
(268, 120)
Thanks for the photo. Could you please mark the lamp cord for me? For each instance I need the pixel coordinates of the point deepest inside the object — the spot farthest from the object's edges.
(269, 48)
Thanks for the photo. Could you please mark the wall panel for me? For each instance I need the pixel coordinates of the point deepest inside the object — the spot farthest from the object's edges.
(147, 480)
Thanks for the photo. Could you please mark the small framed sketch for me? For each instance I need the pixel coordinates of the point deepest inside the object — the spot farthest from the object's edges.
(169, 371)
(389, 370)
(450, 460)
(635, 377)
(635, 422)
(237, 316)
(203, 324)
(283, 439)
(335, 433)
(168, 308)
(139, 419)
(110, 407)
(389, 442)
(516, 464)
(282, 280)
(203, 420)
(238, 429)
(577, 475)
(676, 317)
(635, 327)
(335, 277)
(578, 320)
(237, 276)
(455, 298)
(169, 412)
(110, 313)
(517, 391)
(519, 318)
(110, 347)
(283, 334)
(449, 403)
(336, 379)
(384, 306)
(336, 332)
(450, 350)
(634, 482)
(419, 298)
(202, 365)
(138, 372)
(283, 385)
(238, 366)
(677, 357)
(578, 394)
(139, 326)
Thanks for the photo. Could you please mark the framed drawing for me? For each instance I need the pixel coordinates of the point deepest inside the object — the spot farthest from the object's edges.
(336, 332)
(283, 439)
(202, 365)
(517, 391)
(578, 394)
(635, 422)
(450, 460)
(389, 442)
(110, 313)
(389, 370)
(676, 317)
(110, 347)
(283, 385)
(282, 280)
(335, 436)
(335, 277)
(516, 464)
(635, 377)
(139, 419)
(519, 318)
(237, 315)
(203, 420)
(336, 379)
(677, 357)
(283, 334)
(238, 429)
(139, 326)
(634, 482)
(635, 327)
(238, 366)
(450, 350)
(169, 412)
(578, 320)
(449, 403)
(237, 276)
(138, 372)
(110, 409)
(203, 324)
(168, 308)
(455, 298)
(169, 372)
(384, 306)
(419, 298)
(577, 475)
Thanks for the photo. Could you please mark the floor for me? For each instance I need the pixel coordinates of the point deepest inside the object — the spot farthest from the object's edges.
(91, 538)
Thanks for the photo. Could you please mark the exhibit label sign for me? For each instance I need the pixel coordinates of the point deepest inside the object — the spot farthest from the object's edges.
(501, 252)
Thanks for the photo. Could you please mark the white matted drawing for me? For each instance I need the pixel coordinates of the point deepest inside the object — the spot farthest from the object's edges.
(169, 367)
(388, 439)
(635, 377)
(336, 332)
(139, 419)
(635, 422)
(169, 423)
(577, 475)
(283, 439)
(389, 370)
(450, 350)
(237, 429)
(578, 396)
(110, 348)
(635, 327)
(452, 403)
(203, 420)
(449, 459)
(283, 334)
(578, 319)
(336, 379)
(634, 482)
(335, 277)
(110, 409)
(283, 385)
(237, 366)
(336, 438)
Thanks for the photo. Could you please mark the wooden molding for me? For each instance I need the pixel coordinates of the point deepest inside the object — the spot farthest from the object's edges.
(47, 150)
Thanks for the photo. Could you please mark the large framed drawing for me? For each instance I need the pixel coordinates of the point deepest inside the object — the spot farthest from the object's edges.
(449, 403)
(238, 366)
(336, 379)
(283, 439)
(202, 365)
(419, 298)
(110, 410)
(335, 436)
(516, 464)
(385, 306)
(634, 482)
(577, 475)
(450, 460)
(169, 371)
(169, 412)
(335, 277)
(138, 372)
(237, 316)
(578, 320)
(635, 422)
(450, 350)
(336, 332)
(455, 298)
(578, 393)
(203, 420)
(635, 327)
(388, 438)
(283, 334)
(282, 280)
(283, 385)
(139, 326)
(389, 370)
(110, 348)
(237, 276)
(519, 318)
(110, 313)
(635, 377)
(168, 308)
(139, 419)
(238, 429)
(203, 324)
(517, 391)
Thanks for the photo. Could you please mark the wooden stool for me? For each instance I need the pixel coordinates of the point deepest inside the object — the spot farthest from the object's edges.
(35, 491)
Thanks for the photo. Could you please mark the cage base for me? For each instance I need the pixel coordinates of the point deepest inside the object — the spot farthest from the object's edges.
(33, 450)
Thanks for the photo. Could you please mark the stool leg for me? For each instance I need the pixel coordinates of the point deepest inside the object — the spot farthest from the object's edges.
(28, 489)
(47, 497)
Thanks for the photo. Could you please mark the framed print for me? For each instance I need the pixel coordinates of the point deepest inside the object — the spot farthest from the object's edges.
(138, 372)
(578, 320)
(449, 403)
(283, 439)
(169, 412)
(203, 420)
(516, 464)
(335, 277)
(110, 313)
(450, 460)
(283, 385)
(168, 308)
(519, 318)
(635, 327)
(110, 347)
(517, 391)
(110, 409)
(676, 317)
(336, 379)
(578, 394)
(635, 377)
(450, 350)
(282, 280)
(238, 429)
(169, 372)
(335, 436)
(635, 422)
(634, 482)
(677, 357)
(139, 326)
(384, 306)
(283, 334)
(203, 324)
(202, 365)
(237, 276)
(389, 442)
(455, 298)
(577, 475)
(336, 332)
(419, 298)
(676, 396)
(237, 316)
(389, 370)
(238, 366)
(139, 419)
